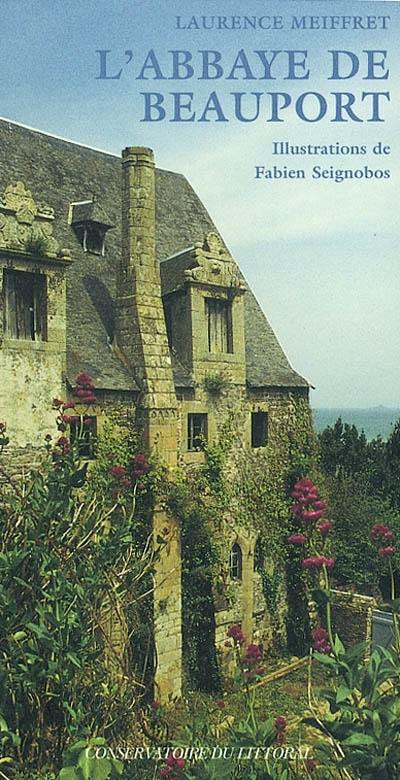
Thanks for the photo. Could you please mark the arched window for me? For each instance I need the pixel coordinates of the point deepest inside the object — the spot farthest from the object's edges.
(236, 562)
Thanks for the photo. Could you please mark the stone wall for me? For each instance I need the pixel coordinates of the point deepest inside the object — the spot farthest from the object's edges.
(352, 616)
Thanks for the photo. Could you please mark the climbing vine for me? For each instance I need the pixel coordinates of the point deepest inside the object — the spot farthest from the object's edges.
(246, 490)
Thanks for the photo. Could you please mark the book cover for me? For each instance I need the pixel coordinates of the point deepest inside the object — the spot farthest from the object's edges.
(198, 275)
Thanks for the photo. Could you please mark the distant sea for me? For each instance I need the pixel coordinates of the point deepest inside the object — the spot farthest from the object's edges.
(376, 421)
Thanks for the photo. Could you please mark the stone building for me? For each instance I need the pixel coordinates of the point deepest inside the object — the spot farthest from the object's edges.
(141, 292)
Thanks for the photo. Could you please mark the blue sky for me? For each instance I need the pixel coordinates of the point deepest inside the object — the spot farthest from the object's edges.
(322, 257)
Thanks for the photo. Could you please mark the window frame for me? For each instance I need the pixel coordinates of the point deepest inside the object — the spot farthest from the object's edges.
(25, 305)
(236, 563)
(192, 435)
(218, 313)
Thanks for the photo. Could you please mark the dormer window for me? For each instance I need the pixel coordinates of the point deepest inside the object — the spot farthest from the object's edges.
(90, 223)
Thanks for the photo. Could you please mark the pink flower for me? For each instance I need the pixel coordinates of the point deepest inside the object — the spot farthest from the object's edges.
(311, 516)
(325, 527)
(319, 505)
(280, 723)
(386, 552)
(297, 539)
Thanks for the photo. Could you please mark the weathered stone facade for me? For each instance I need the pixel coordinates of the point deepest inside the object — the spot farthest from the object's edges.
(148, 300)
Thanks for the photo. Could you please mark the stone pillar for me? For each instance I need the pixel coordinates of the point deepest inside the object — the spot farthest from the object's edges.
(141, 338)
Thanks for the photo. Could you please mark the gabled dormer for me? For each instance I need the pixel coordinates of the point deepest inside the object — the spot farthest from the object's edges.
(90, 224)
(203, 301)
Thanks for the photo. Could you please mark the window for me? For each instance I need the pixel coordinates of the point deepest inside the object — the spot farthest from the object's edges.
(236, 562)
(25, 311)
(197, 431)
(83, 430)
(219, 325)
(259, 429)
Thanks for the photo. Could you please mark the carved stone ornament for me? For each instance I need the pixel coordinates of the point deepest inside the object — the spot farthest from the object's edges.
(214, 265)
(26, 226)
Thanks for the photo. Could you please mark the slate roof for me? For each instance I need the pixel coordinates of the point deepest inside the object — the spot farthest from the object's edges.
(90, 211)
(58, 173)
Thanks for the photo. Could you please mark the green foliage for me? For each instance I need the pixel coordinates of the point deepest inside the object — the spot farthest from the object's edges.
(362, 480)
(363, 722)
(85, 760)
(354, 511)
(71, 559)
(215, 384)
(195, 513)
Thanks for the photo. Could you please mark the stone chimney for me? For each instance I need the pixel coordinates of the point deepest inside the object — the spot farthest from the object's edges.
(140, 327)
(141, 339)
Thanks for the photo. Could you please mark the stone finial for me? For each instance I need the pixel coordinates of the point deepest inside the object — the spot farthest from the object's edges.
(214, 265)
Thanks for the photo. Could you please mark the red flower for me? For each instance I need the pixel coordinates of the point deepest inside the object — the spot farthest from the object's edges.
(84, 380)
(318, 561)
(297, 539)
(220, 704)
(310, 764)
(69, 405)
(280, 723)
(175, 763)
(165, 771)
(235, 633)
(126, 483)
(140, 466)
(320, 640)
(325, 527)
(118, 472)
(311, 515)
(380, 532)
(253, 655)
(386, 552)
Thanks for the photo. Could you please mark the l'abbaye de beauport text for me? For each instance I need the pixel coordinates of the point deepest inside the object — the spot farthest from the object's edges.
(256, 67)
